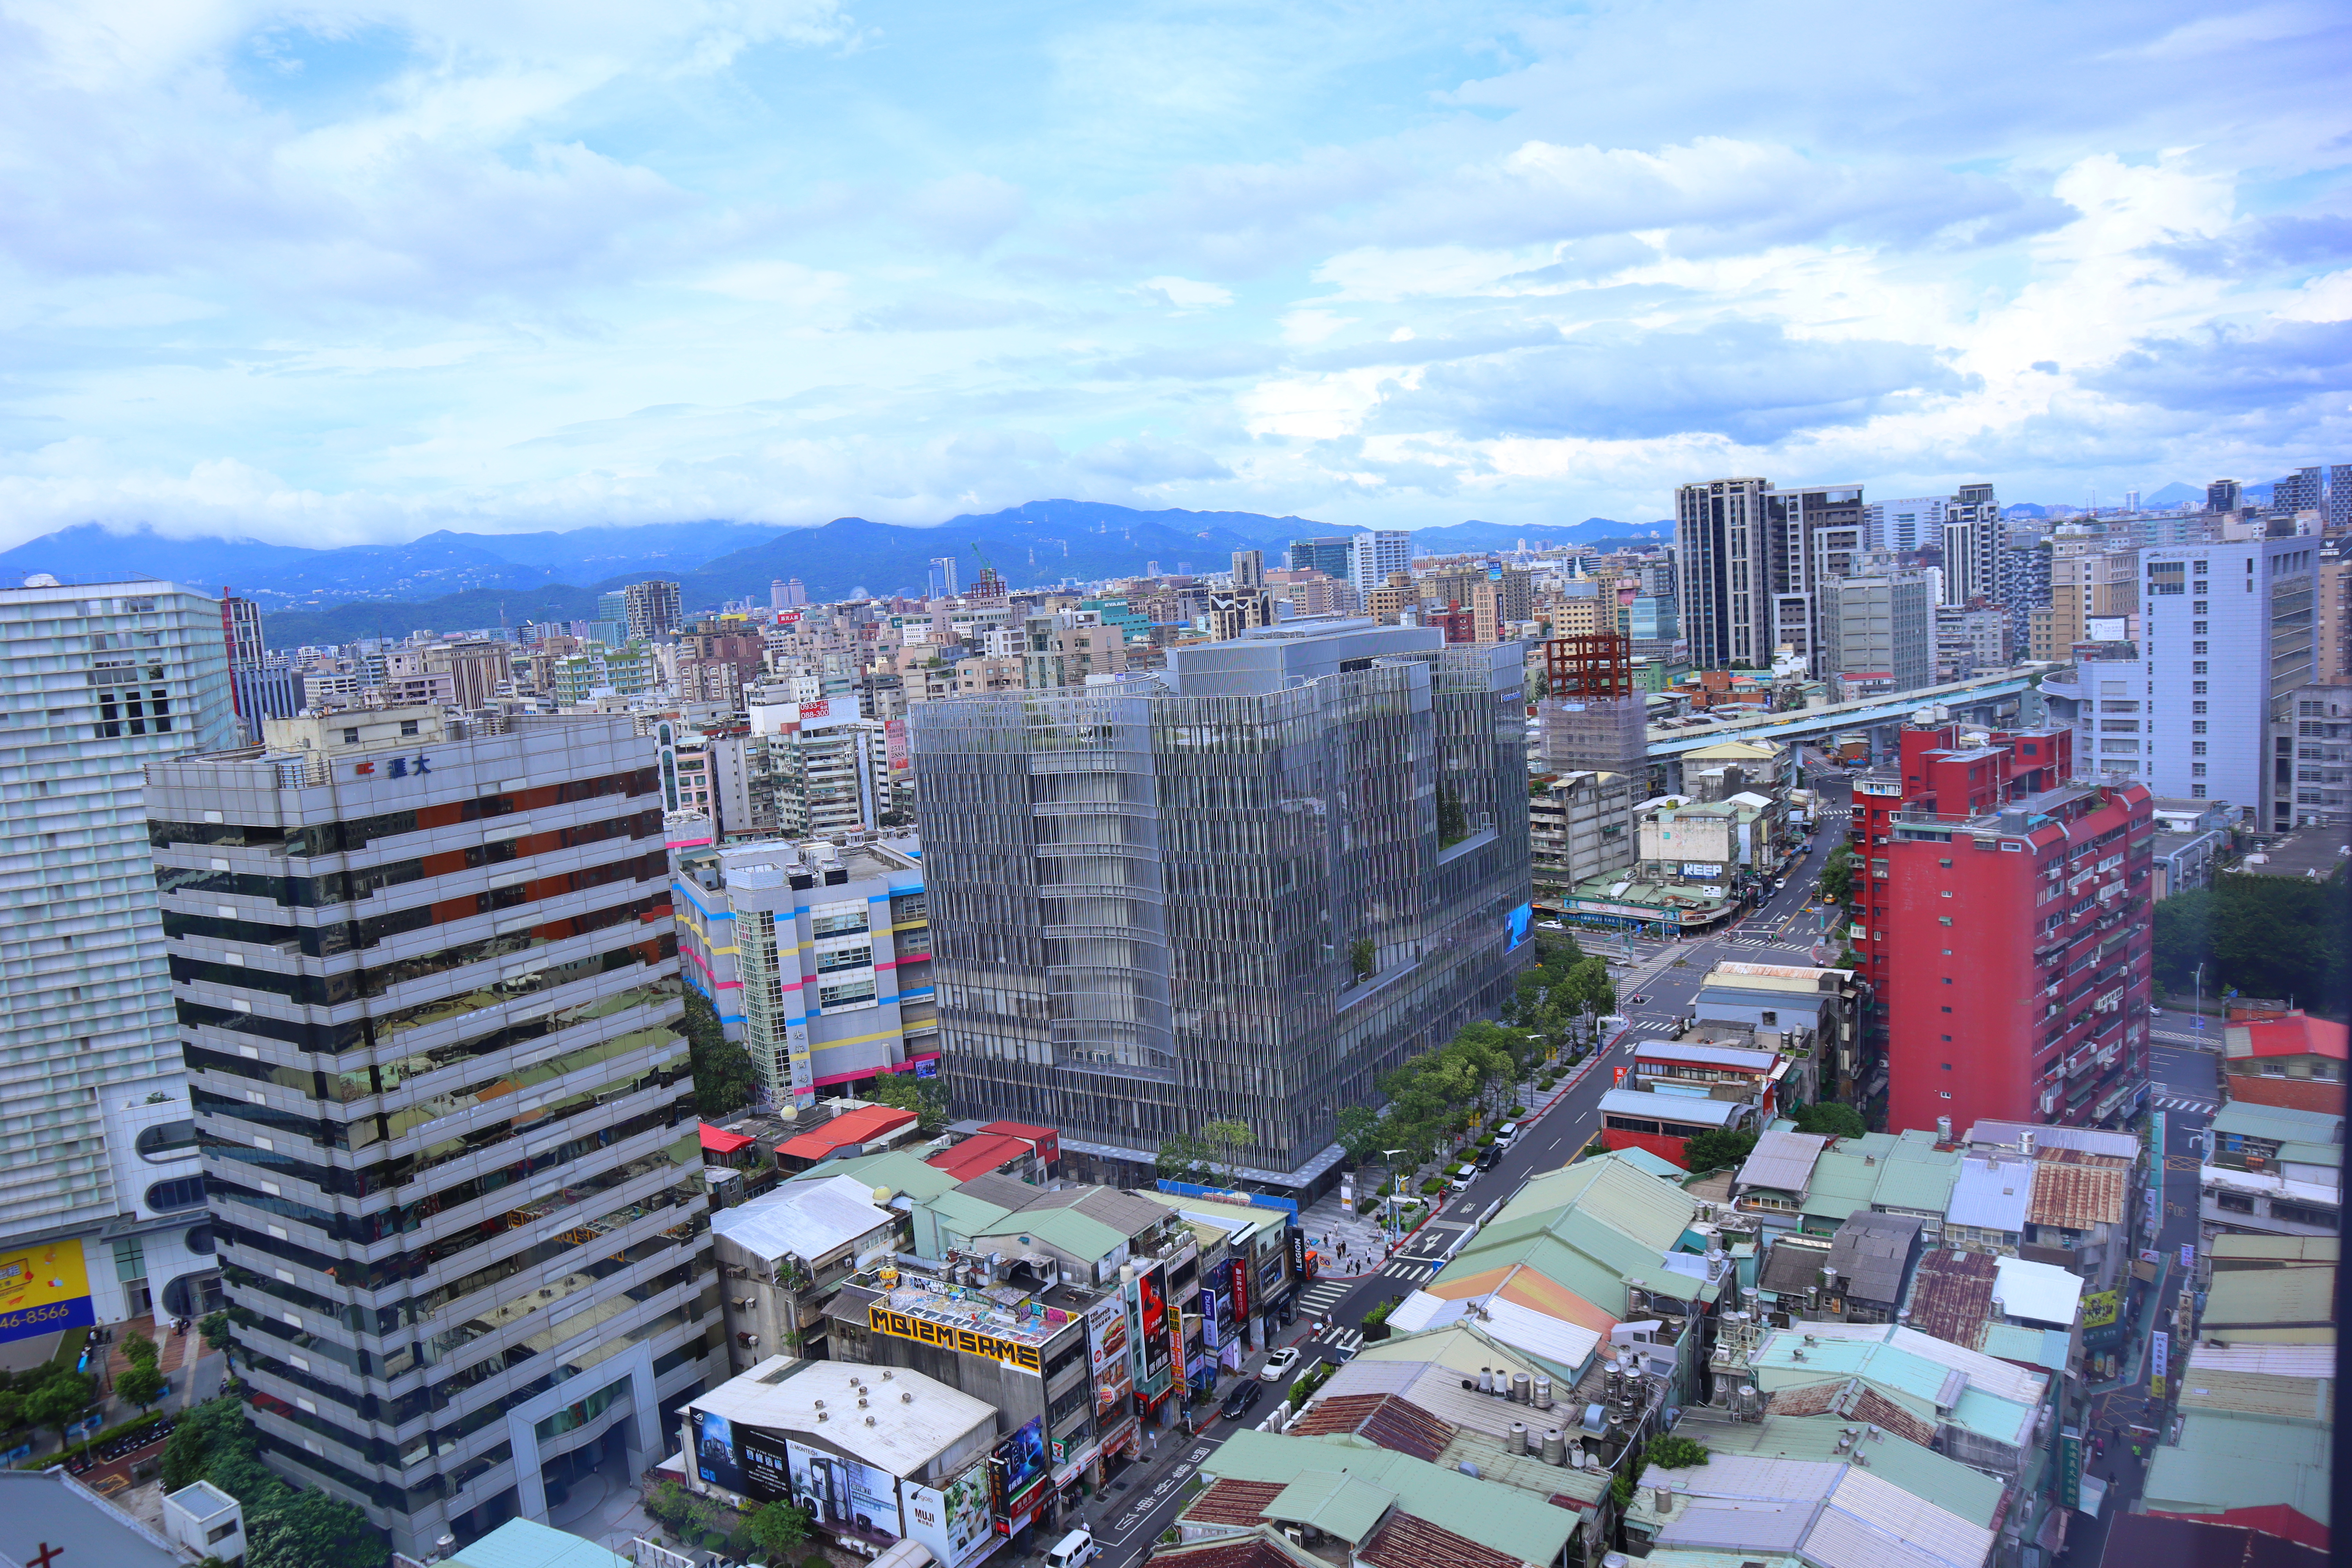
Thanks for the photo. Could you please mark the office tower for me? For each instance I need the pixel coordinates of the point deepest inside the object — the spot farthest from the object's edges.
(2312, 740)
(1749, 558)
(2305, 490)
(942, 583)
(1334, 556)
(429, 1000)
(651, 610)
(98, 1158)
(820, 952)
(1907, 524)
(2223, 495)
(2003, 926)
(1372, 556)
(241, 629)
(1972, 533)
(2094, 580)
(1249, 571)
(612, 608)
(2227, 633)
(2339, 497)
(786, 593)
(1878, 634)
(1240, 890)
(476, 671)
(2023, 586)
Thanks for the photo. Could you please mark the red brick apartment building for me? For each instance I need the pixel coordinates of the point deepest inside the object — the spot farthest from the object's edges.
(2004, 929)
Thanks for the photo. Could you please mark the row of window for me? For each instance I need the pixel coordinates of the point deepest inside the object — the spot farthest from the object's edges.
(349, 836)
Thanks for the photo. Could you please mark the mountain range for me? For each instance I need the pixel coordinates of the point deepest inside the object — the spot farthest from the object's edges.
(448, 580)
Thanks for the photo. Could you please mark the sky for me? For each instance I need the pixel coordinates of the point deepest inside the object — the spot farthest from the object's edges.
(356, 272)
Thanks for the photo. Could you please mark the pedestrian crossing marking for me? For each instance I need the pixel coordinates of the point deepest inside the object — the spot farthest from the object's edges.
(1409, 1270)
(1319, 1297)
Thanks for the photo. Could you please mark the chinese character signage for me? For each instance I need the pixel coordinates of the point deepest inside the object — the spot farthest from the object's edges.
(419, 766)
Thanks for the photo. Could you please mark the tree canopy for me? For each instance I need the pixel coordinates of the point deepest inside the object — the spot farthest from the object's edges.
(1717, 1148)
(2280, 937)
(723, 1080)
(1830, 1119)
(926, 1096)
(285, 1528)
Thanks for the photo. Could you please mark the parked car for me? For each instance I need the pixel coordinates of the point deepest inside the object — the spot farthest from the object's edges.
(1461, 1177)
(1505, 1134)
(1488, 1155)
(1242, 1400)
(1279, 1362)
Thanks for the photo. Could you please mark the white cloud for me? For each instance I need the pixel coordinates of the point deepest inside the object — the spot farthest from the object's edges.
(1186, 294)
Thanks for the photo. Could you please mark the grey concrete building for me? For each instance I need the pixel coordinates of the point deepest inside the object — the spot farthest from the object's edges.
(428, 997)
(1239, 890)
(1878, 633)
(1750, 558)
(1582, 826)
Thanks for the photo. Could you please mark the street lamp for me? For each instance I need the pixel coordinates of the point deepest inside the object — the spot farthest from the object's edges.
(1388, 1205)
(2198, 1004)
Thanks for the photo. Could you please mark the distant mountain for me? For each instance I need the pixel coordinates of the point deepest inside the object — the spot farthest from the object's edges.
(1454, 537)
(2173, 494)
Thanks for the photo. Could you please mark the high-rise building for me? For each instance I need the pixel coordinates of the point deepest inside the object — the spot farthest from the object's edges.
(428, 995)
(786, 593)
(2305, 490)
(1878, 633)
(1334, 557)
(1240, 890)
(942, 581)
(2003, 926)
(1973, 536)
(1907, 524)
(2313, 739)
(2339, 497)
(651, 610)
(2023, 587)
(2228, 631)
(2224, 495)
(817, 956)
(1372, 556)
(1750, 558)
(2332, 658)
(612, 608)
(97, 1153)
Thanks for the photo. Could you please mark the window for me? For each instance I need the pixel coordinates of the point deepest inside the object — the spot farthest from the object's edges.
(2200, 629)
(352, 737)
(2197, 792)
(2197, 748)
(2197, 726)
(166, 1142)
(1947, 1007)
(2198, 647)
(2197, 707)
(1947, 865)
(1943, 919)
(408, 726)
(2196, 666)
(2197, 769)
(2201, 567)
(1948, 980)
(185, 1192)
(2198, 688)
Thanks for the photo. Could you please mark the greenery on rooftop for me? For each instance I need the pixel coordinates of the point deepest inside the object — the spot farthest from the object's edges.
(926, 1096)
(1830, 1120)
(1717, 1148)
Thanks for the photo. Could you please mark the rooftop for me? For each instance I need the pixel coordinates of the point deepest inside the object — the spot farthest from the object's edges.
(52, 1508)
(522, 1543)
(2296, 1034)
(782, 1393)
(1872, 1253)
(803, 1220)
(2039, 1292)
(1690, 1109)
(851, 1128)
(1782, 1160)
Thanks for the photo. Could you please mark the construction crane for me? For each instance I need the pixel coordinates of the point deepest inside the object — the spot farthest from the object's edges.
(985, 564)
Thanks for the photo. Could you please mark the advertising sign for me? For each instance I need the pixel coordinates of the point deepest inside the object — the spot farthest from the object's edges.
(1107, 1340)
(952, 1523)
(1297, 1253)
(1151, 1306)
(2101, 1308)
(714, 1451)
(1241, 1291)
(845, 1495)
(1015, 1472)
(2070, 1470)
(2160, 1354)
(881, 1319)
(826, 712)
(43, 1289)
(1701, 869)
(1210, 1336)
(894, 737)
(1517, 925)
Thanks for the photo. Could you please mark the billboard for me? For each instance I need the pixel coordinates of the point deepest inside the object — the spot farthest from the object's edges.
(950, 1522)
(714, 1451)
(1701, 870)
(1015, 1471)
(1210, 1336)
(43, 1289)
(1152, 1304)
(845, 1495)
(1011, 1354)
(1107, 1340)
(825, 712)
(894, 735)
(1516, 926)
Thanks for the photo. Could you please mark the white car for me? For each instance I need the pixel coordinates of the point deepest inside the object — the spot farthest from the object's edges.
(1460, 1178)
(2156, 1012)
(1278, 1364)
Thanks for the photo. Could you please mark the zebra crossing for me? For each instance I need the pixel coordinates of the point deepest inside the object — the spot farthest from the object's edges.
(1324, 1295)
(2187, 1102)
(1403, 1268)
(1346, 1343)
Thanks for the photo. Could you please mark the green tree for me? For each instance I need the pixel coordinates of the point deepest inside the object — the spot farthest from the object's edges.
(137, 1347)
(1717, 1148)
(1360, 1132)
(12, 1410)
(926, 1096)
(1184, 1158)
(1837, 876)
(306, 1529)
(1674, 1453)
(723, 1080)
(59, 1402)
(777, 1527)
(1226, 1140)
(1830, 1119)
(2278, 937)
(1363, 957)
(142, 1384)
(213, 1327)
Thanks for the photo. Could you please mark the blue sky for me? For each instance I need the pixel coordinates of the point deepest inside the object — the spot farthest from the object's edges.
(356, 272)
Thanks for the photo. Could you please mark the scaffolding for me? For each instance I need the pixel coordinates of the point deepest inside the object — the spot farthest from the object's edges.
(1592, 721)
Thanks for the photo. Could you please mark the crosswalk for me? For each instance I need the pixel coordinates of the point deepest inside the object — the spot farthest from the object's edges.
(1404, 1269)
(2187, 1102)
(1346, 1343)
(1323, 1295)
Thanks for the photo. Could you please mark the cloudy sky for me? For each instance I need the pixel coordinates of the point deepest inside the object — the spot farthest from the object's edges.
(359, 272)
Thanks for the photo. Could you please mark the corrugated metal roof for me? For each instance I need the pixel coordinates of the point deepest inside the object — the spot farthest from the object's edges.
(1233, 1500)
(1782, 1160)
(2312, 1137)
(524, 1543)
(803, 1220)
(1538, 1334)
(1704, 1056)
(1995, 1376)
(2043, 1292)
(2275, 1361)
(1994, 1132)
(1899, 1455)
(1408, 1540)
(1333, 1502)
(1873, 1252)
(1839, 1540)
(1686, 1107)
(2294, 1295)
(1746, 1526)
(1992, 1192)
(2204, 1387)
(2076, 1197)
(2223, 1463)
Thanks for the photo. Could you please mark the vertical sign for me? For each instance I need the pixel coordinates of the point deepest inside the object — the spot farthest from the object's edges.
(2159, 1353)
(2070, 1469)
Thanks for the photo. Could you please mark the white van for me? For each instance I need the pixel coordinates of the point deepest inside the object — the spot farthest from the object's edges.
(1076, 1549)
(1507, 1134)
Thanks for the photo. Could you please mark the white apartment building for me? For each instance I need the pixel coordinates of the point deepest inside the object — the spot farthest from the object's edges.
(2227, 636)
(97, 1153)
(1372, 556)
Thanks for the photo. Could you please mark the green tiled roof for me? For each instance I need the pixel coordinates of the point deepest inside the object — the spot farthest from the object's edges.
(2224, 1463)
(895, 1169)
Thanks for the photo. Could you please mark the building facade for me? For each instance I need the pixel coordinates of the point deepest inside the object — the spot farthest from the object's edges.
(1239, 891)
(2228, 634)
(1878, 634)
(99, 1168)
(428, 998)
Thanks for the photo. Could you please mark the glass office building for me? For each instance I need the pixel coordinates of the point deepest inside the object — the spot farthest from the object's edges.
(1240, 890)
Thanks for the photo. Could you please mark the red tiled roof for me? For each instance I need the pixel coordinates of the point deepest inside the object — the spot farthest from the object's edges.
(979, 1155)
(850, 1127)
(2296, 1034)
(1248, 1552)
(1406, 1542)
(718, 1140)
(1951, 1294)
(1853, 1401)
(1231, 1501)
(1019, 1129)
(1393, 1423)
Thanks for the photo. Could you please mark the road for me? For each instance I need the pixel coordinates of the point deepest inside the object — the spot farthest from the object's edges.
(1667, 976)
